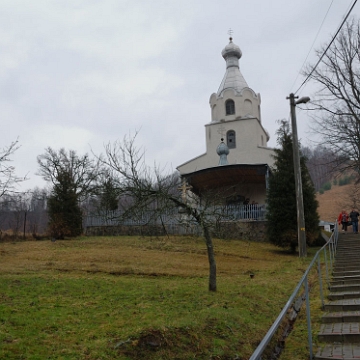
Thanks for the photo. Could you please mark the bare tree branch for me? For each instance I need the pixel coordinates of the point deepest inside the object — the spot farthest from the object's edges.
(83, 170)
(148, 189)
(8, 179)
(337, 102)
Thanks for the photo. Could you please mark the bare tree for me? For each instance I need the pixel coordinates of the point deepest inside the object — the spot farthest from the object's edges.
(8, 179)
(320, 163)
(148, 189)
(337, 102)
(82, 170)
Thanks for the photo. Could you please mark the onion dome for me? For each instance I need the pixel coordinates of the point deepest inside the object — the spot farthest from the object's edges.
(231, 50)
(233, 78)
(223, 151)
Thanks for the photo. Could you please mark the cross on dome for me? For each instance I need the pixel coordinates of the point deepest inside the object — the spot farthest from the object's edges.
(233, 78)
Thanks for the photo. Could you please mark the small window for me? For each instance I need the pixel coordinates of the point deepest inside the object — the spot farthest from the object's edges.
(230, 107)
(231, 139)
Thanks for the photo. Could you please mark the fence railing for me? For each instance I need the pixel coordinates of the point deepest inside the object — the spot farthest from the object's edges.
(247, 212)
(172, 216)
(327, 253)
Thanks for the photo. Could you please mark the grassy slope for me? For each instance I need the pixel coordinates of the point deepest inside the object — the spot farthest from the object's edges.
(140, 298)
(331, 202)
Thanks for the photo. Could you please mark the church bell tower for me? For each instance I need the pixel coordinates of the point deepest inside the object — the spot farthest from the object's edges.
(235, 118)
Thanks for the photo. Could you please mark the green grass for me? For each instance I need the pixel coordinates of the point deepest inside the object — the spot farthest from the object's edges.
(139, 298)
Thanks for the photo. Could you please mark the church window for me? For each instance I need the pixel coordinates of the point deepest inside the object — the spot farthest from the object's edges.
(230, 107)
(231, 139)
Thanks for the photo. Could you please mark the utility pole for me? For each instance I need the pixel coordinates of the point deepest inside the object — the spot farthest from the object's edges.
(297, 173)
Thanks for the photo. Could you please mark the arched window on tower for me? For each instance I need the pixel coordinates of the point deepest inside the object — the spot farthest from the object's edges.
(231, 139)
(230, 107)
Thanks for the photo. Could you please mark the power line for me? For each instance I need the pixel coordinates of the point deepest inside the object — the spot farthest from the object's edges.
(312, 45)
(327, 48)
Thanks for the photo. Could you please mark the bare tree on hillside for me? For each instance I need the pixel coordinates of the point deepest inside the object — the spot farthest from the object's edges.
(142, 190)
(320, 163)
(337, 102)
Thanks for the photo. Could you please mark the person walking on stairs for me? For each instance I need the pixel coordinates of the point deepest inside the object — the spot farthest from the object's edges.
(354, 218)
(343, 220)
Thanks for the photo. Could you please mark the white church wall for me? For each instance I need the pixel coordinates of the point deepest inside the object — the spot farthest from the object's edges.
(247, 104)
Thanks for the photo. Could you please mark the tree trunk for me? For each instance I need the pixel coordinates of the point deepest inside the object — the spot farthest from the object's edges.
(25, 213)
(211, 257)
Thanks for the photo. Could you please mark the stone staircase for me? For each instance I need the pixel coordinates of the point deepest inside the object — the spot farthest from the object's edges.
(340, 330)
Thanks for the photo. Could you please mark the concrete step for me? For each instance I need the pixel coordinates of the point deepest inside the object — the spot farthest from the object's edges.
(346, 277)
(344, 268)
(341, 254)
(347, 254)
(345, 264)
(343, 305)
(341, 323)
(349, 287)
(354, 244)
(341, 316)
(346, 333)
(338, 351)
(345, 280)
(346, 273)
(344, 295)
(350, 248)
(347, 258)
(355, 247)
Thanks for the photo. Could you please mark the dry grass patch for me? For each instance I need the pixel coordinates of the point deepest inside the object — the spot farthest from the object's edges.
(175, 256)
(106, 298)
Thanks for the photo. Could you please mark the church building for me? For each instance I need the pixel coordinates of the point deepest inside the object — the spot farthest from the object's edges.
(237, 157)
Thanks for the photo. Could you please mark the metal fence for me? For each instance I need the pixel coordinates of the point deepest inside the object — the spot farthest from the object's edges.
(247, 212)
(326, 255)
(172, 216)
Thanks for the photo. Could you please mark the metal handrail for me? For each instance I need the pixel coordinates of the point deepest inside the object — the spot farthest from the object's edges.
(329, 255)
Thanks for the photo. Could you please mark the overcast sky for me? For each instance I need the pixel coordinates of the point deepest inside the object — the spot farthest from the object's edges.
(81, 73)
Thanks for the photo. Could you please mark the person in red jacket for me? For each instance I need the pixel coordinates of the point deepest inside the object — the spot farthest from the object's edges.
(343, 220)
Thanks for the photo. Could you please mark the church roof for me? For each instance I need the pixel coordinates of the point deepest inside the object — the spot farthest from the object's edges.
(233, 78)
(226, 176)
